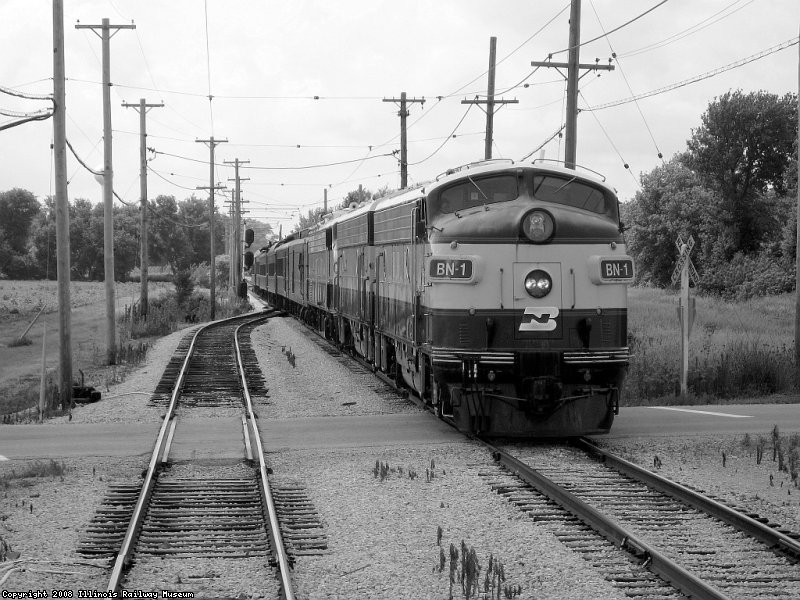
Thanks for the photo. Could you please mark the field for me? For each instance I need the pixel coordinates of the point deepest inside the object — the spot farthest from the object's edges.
(736, 349)
(20, 365)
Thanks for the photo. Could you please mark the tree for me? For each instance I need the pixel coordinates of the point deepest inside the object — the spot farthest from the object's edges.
(194, 211)
(672, 202)
(44, 242)
(168, 242)
(18, 210)
(742, 149)
(126, 240)
(262, 234)
(313, 217)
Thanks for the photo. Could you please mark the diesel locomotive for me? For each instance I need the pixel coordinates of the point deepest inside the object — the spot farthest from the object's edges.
(497, 293)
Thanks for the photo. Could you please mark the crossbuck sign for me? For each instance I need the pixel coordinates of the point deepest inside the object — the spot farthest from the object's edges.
(685, 249)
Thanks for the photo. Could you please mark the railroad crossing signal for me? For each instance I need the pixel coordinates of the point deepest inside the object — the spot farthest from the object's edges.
(685, 249)
(685, 271)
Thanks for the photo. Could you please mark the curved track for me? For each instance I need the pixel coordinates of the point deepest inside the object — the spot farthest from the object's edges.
(196, 517)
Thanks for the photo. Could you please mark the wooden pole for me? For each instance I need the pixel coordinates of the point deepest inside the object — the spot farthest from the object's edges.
(797, 249)
(490, 99)
(62, 209)
(144, 258)
(403, 142)
(684, 327)
(108, 200)
(571, 134)
(142, 107)
(108, 187)
(42, 386)
(213, 275)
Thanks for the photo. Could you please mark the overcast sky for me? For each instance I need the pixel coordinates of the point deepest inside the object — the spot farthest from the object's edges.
(264, 62)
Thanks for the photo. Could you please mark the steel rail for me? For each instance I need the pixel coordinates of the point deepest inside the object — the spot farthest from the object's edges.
(667, 569)
(764, 533)
(122, 559)
(269, 504)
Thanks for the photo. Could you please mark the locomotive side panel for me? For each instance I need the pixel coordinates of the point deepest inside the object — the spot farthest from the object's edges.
(395, 263)
(318, 273)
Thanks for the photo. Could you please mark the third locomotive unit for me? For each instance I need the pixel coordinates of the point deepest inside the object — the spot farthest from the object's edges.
(497, 294)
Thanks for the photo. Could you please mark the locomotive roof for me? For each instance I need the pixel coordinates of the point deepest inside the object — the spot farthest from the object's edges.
(473, 169)
(505, 165)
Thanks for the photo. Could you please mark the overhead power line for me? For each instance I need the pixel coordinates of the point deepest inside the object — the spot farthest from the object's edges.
(18, 94)
(263, 168)
(628, 85)
(697, 27)
(625, 24)
(10, 124)
(701, 77)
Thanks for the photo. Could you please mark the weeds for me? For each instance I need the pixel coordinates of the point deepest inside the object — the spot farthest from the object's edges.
(465, 572)
(382, 471)
(785, 452)
(36, 469)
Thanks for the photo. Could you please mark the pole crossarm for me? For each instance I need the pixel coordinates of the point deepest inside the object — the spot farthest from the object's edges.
(562, 65)
(106, 26)
(487, 101)
(138, 105)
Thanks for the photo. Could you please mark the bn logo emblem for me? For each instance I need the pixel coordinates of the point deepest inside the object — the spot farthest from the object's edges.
(542, 318)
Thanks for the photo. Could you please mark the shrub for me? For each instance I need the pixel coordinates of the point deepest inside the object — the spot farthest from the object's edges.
(747, 276)
(162, 318)
(184, 285)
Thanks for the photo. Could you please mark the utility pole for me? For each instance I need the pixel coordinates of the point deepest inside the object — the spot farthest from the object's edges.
(403, 113)
(62, 209)
(573, 76)
(237, 216)
(211, 187)
(108, 185)
(325, 201)
(797, 248)
(142, 108)
(490, 101)
(229, 238)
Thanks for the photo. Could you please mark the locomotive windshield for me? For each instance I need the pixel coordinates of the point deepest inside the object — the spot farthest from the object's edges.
(560, 190)
(477, 192)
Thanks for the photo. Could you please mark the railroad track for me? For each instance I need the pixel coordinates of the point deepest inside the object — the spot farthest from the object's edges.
(218, 517)
(651, 537)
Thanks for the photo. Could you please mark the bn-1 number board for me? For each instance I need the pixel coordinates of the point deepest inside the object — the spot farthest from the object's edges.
(616, 269)
(450, 268)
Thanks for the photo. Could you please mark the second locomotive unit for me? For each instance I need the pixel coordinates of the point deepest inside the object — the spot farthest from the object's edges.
(496, 293)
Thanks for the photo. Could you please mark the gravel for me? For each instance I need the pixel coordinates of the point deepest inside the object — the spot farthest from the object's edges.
(42, 519)
(697, 461)
(382, 534)
(318, 384)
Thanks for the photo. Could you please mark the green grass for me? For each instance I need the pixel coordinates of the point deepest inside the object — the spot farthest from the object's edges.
(736, 349)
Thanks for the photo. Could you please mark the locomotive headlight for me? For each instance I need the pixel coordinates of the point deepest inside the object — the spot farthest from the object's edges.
(538, 226)
(538, 283)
